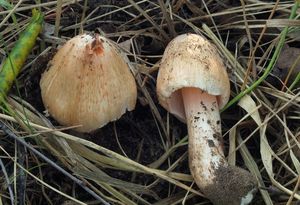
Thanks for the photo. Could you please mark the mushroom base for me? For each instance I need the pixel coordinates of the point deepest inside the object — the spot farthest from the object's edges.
(231, 185)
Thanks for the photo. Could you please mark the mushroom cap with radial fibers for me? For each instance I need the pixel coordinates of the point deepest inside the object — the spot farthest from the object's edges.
(191, 61)
(88, 83)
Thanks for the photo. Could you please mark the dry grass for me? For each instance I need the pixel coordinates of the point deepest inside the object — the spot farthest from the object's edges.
(261, 131)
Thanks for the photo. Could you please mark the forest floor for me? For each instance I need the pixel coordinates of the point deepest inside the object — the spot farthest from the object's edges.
(142, 158)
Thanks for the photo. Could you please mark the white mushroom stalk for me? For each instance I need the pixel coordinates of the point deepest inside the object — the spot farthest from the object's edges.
(207, 162)
(205, 147)
(193, 85)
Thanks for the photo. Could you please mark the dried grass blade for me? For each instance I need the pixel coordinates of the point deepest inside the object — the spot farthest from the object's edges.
(232, 146)
(248, 104)
(161, 174)
(295, 161)
(21, 141)
(162, 32)
(252, 166)
(100, 178)
(266, 151)
(167, 17)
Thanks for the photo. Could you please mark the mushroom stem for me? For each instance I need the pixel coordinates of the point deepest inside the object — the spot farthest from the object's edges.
(222, 183)
(204, 128)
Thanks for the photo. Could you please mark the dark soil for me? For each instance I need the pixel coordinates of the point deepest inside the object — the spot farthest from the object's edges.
(138, 134)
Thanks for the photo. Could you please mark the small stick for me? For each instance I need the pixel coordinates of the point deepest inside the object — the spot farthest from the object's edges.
(67, 174)
(11, 193)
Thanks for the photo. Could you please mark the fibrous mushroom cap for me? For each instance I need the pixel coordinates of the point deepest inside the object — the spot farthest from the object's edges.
(88, 83)
(191, 61)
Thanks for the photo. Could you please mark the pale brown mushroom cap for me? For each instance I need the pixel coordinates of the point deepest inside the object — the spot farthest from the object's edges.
(191, 61)
(88, 83)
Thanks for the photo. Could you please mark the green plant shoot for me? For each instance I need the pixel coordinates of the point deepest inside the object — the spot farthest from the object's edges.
(18, 55)
(271, 63)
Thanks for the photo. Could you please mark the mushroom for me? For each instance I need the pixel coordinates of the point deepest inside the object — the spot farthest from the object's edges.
(88, 83)
(193, 85)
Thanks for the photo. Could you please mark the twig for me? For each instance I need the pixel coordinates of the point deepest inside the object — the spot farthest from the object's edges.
(58, 17)
(11, 12)
(11, 193)
(162, 32)
(167, 17)
(28, 146)
(21, 175)
(252, 52)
